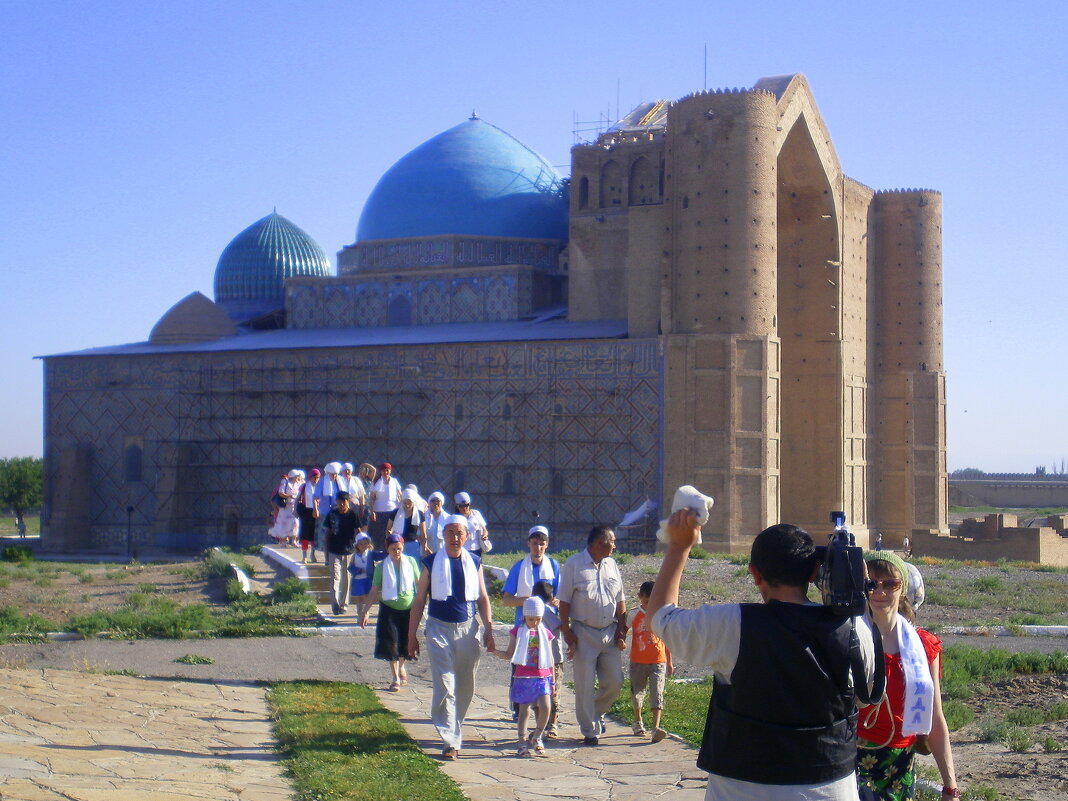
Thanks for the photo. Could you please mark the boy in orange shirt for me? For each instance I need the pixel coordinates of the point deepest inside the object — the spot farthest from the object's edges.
(650, 663)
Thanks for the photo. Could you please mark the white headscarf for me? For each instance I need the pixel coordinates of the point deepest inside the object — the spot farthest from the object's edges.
(394, 581)
(524, 633)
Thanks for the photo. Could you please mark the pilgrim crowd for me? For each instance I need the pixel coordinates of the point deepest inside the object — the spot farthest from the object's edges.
(783, 723)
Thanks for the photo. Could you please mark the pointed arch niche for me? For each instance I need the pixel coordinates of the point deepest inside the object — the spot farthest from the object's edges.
(809, 327)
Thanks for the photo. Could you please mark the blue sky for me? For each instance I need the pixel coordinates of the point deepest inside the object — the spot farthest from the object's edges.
(137, 139)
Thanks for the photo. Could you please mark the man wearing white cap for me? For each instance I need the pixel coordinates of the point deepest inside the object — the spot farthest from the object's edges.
(529, 570)
(524, 574)
(453, 582)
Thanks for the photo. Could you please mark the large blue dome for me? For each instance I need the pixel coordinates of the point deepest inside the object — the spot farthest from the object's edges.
(473, 180)
(251, 271)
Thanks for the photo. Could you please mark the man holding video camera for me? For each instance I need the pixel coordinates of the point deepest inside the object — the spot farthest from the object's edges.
(782, 720)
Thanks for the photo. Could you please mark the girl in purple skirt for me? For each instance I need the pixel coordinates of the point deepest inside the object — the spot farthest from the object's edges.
(530, 650)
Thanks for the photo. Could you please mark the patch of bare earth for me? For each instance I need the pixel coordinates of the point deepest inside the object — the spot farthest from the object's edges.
(53, 592)
(1035, 775)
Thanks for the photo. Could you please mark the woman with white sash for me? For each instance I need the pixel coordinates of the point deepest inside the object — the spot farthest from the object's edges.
(394, 582)
(910, 717)
(286, 524)
(409, 523)
(435, 522)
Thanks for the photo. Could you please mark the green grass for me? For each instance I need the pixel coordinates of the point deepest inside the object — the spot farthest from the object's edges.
(8, 529)
(195, 659)
(1038, 600)
(965, 667)
(339, 742)
(958, 714)
(685, 706)
(217, 563)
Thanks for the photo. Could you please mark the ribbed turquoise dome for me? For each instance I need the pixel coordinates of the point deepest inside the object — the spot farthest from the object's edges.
(252, 268)
(473, 179)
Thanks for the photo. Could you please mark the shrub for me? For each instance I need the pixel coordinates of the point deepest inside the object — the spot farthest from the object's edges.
(981, 792)
(16, 553)
(288, 590)
(1059, 711)
(958, 714)
(217, 563)
(1050, 745)
(993, 730)
(697, 552)
(1027, 716)
(988, 584)
(1019, 740)
(234, 591)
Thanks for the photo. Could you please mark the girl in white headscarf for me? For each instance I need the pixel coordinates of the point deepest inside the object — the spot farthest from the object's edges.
(910, 716)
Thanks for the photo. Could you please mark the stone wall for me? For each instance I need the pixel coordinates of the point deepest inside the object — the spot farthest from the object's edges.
(570, 429)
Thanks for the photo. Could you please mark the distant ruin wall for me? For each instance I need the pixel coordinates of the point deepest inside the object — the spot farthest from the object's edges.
(1009, 492)
(1042, 545)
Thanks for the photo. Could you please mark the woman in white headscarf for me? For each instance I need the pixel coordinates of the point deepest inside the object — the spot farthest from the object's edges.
(286, 524)
(909, 717)
(409, 523)
(479, 541)
(435, 522)
(394, 582)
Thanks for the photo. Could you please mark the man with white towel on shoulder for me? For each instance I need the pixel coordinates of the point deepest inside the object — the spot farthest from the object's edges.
(452, 579)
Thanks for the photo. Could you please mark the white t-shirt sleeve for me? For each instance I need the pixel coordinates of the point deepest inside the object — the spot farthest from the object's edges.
(709, 635)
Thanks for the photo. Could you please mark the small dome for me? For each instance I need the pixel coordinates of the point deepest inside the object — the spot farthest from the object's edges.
(192, 319)
(251, 271)
(473, 180)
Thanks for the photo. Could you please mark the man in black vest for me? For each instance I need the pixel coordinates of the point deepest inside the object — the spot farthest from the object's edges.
(782, 720)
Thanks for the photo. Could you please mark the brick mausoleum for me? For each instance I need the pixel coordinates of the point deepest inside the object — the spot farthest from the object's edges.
(708, 300)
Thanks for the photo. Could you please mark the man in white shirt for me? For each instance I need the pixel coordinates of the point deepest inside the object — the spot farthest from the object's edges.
(593, 622)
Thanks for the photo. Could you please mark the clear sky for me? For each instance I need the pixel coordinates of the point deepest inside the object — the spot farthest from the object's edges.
(137, 139)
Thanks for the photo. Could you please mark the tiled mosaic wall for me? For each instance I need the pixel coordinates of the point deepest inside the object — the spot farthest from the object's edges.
(568, 429)
(373, 301)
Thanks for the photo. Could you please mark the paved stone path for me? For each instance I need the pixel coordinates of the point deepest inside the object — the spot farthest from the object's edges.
(76, 736)
(89, 737)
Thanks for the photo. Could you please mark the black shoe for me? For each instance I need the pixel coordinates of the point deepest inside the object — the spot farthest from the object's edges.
(590, 741)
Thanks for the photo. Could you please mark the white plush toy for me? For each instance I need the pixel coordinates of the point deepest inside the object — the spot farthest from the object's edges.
(691, 498)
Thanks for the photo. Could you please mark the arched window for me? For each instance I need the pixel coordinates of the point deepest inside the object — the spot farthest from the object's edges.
(642, 189)
(131, 460)
(400, 311)
(584, 193)
(611, 185)
(557, 489)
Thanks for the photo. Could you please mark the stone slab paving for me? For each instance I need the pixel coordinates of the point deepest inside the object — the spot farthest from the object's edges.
(622, 768)
(89, 737)
(72, 736)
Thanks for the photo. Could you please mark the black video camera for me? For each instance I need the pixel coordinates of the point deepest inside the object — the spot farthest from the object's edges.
(841, 577)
